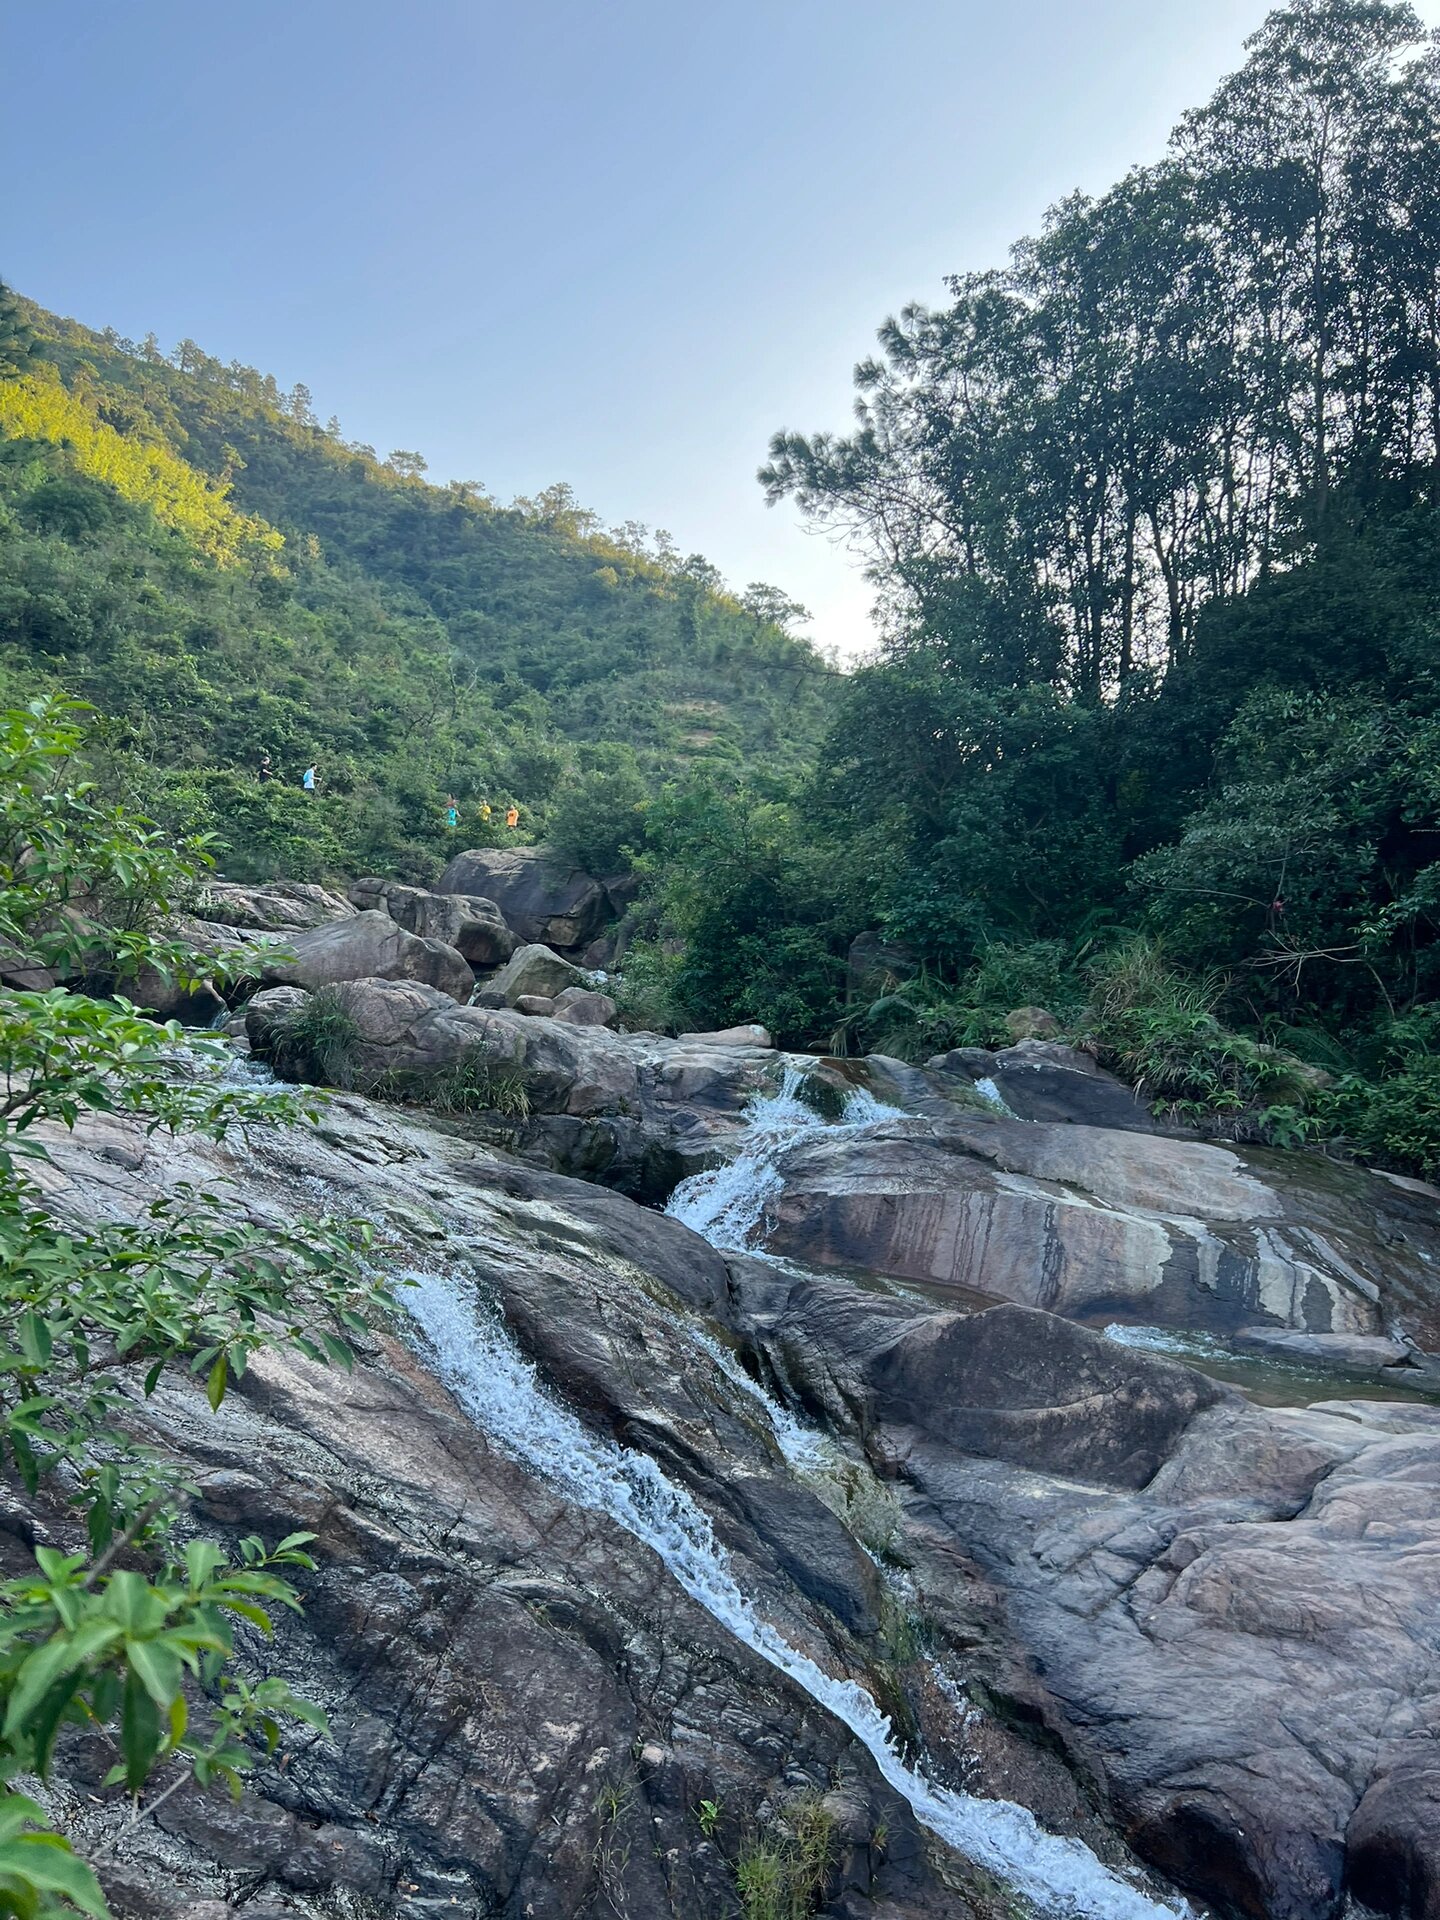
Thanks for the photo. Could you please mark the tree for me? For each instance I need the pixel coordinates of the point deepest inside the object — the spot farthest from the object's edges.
(18, 346)
(772, 607)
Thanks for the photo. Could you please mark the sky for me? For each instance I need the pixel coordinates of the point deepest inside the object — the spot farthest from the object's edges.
(612, 242)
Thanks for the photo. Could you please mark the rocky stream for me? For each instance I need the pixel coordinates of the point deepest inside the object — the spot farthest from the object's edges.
(947, 1479)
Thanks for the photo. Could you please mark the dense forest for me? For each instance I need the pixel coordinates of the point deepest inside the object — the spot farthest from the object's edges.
(1153, 735)
(244, 593)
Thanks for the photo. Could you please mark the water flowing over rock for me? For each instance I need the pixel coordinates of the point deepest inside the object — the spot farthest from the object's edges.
(645, 1514)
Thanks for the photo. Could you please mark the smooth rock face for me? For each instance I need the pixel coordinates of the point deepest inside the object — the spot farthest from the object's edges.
(535, 1004)
(1357, 1352)
(542, 902)
(1084, 1221)
(274, 906)
(1233, 1608)
(526, 1710)
(471, 924)
(1044, 1080)
(583, 1007)
(535, 970)
(369, 946)
(752, 1034)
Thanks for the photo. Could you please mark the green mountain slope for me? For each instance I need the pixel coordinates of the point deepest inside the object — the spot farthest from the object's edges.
(184, 546)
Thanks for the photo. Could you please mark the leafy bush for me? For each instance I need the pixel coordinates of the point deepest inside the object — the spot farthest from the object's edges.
(1395, 1121)
(319, 1043)
(1160, 1029)
(89, 1315)
(597, 818)
(647, 988)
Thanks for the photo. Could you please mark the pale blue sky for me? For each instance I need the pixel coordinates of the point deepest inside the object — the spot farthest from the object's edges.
(616, 242)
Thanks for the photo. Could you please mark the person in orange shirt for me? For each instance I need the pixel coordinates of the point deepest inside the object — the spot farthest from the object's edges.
(512, 817)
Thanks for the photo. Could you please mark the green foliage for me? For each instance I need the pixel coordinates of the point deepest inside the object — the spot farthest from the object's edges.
(647, 991)
(88, 1316)
(18, 345)
(320, 1042)
(474, 1083)
(750, 896)
(38, 407)
(781, 1875)
(183, 546)
(597, 818)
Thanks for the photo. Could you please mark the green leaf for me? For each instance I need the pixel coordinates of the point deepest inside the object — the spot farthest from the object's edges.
(139, 1732)
(215, 1385)
(46, 1862)
(61, 1656)
(160, 1670)
(36, 1342)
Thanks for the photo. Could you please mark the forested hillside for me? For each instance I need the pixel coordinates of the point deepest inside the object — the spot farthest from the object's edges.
(244, 593)
(1153, 738)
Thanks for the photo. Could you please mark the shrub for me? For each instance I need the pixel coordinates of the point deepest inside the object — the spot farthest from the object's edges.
(1160, 1028)
(320, 1043)
(88, 1317)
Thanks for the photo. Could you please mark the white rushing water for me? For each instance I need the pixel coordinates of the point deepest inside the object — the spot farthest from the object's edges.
(473, 1354)
(726, 1205)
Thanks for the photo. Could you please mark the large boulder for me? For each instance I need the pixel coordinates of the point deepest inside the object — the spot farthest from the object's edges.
(269, 1013)
(1041, 1079)
(751, 1034)
(535, 970)
(1225, 1612)
(271, 906)
(368, 946)
(582, 1007)
(470, 923)
(1088, 1222)
(542, 901)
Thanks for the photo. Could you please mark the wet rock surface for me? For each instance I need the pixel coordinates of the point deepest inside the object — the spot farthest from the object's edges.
(526, 1711)
(1230, 1622)
(1092, 1222)
(1094, 1579)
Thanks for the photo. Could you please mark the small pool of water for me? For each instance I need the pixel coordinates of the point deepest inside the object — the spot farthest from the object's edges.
(1269, 1382)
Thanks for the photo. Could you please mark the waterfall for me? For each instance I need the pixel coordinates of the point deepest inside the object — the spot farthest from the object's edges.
(473, 1354)
(726, 1205)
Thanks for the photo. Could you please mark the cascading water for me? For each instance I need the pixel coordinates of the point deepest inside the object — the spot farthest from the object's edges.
(725, 1205)
(473, 1353)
